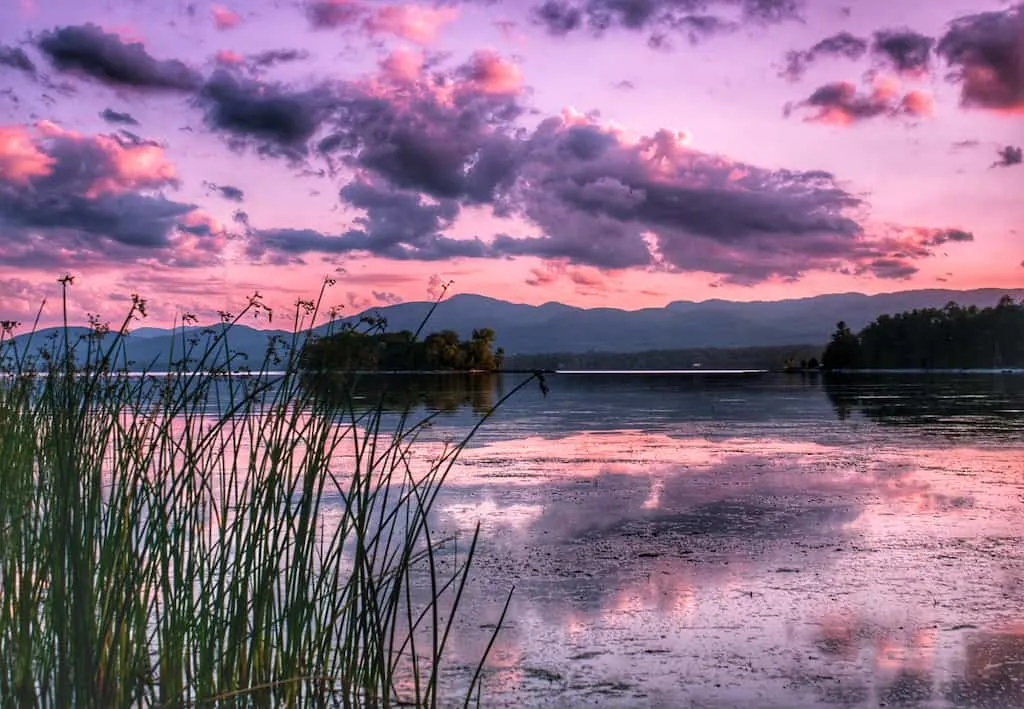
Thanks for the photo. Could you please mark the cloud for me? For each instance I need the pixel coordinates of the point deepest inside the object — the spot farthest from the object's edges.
(696, 19)
(904, 51)
(16, 58)
(986, 52)
(21, 160)
(103, 56)
(412, 22)
(448, 136)
(67, 198)
(398, 224)
(1009, 156)
(386, 297)
(586, 280)
(843, 45)
(228, 192)
(272, 117)
(964, 144)
(416, 23)
(424, 145)
(403, 65)
(118, 118)
(272, 57)
(228, 58)
(839, 103)
(328, 14)
(223, 18)
(888, 268)
(603, 199)
(489, 73)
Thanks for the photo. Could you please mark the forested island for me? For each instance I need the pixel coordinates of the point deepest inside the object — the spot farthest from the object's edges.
(952, 337)
(350, 351)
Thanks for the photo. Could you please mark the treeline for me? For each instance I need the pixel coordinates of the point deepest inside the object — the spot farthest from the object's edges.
(951, 337)
(349, 351)
(774, 357)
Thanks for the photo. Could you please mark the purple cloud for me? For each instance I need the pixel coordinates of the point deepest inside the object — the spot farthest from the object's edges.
(276, 119)
(694, 18)
(16, 58)
(68, 199)
(905, 51)
(839, 103)
(103, 56)
(118, 118)
(1009, 156)
(843, 44)
(986, 52)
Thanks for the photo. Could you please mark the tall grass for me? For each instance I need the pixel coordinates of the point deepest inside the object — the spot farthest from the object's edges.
(203, 538)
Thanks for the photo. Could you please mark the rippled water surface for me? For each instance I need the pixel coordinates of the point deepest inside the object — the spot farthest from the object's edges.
(745, 540)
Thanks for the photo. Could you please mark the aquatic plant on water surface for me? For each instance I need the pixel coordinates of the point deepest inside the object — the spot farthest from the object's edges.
(215, 536)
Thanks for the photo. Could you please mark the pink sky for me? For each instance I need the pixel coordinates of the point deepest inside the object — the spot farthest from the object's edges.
(597, 153)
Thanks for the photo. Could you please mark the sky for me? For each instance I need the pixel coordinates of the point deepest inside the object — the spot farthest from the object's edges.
(600, 153)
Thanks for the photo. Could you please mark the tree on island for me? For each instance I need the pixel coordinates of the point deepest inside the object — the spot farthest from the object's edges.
(844, 350)
(350, 350)
(951, 337)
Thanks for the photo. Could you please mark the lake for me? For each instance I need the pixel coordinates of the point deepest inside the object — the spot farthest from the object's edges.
(744, 540)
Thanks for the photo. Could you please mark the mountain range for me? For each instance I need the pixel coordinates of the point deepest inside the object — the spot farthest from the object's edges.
(555, 327)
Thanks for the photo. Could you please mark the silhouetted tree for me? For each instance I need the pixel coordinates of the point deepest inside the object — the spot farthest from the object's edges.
(844, 350)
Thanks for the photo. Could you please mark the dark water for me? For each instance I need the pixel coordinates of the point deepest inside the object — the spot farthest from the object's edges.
(744, 540)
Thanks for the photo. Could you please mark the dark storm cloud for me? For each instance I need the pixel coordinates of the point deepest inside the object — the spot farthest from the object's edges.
(1009, 156)
(276, 119)
(16, 58)
(105, 57)
(118, 118)
(843, 45)
(986, 53)
(694, 18)
(905, 51)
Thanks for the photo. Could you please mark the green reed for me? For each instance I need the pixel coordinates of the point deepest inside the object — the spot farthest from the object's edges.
(202, 538)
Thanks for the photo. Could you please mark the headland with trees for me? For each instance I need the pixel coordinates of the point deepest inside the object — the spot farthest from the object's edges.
(951, 337)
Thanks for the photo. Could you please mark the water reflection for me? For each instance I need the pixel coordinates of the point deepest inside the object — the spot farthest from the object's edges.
(956, 405)
(993, 673)
(436, 392)
(726, 543)
(717, 407)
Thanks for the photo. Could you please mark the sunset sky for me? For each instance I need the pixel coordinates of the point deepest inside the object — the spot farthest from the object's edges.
(622, 153)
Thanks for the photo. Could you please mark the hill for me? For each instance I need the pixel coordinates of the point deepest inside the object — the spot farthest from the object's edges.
(558, 328)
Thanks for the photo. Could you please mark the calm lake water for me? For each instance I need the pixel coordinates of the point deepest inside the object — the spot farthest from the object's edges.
(749, 541)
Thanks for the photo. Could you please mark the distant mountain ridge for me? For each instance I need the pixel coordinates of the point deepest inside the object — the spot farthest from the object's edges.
(555, 327)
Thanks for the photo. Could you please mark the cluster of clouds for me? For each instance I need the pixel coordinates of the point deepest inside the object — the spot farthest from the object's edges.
(982, 53)
(68, 199)
(695, 20)
(421, 143)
